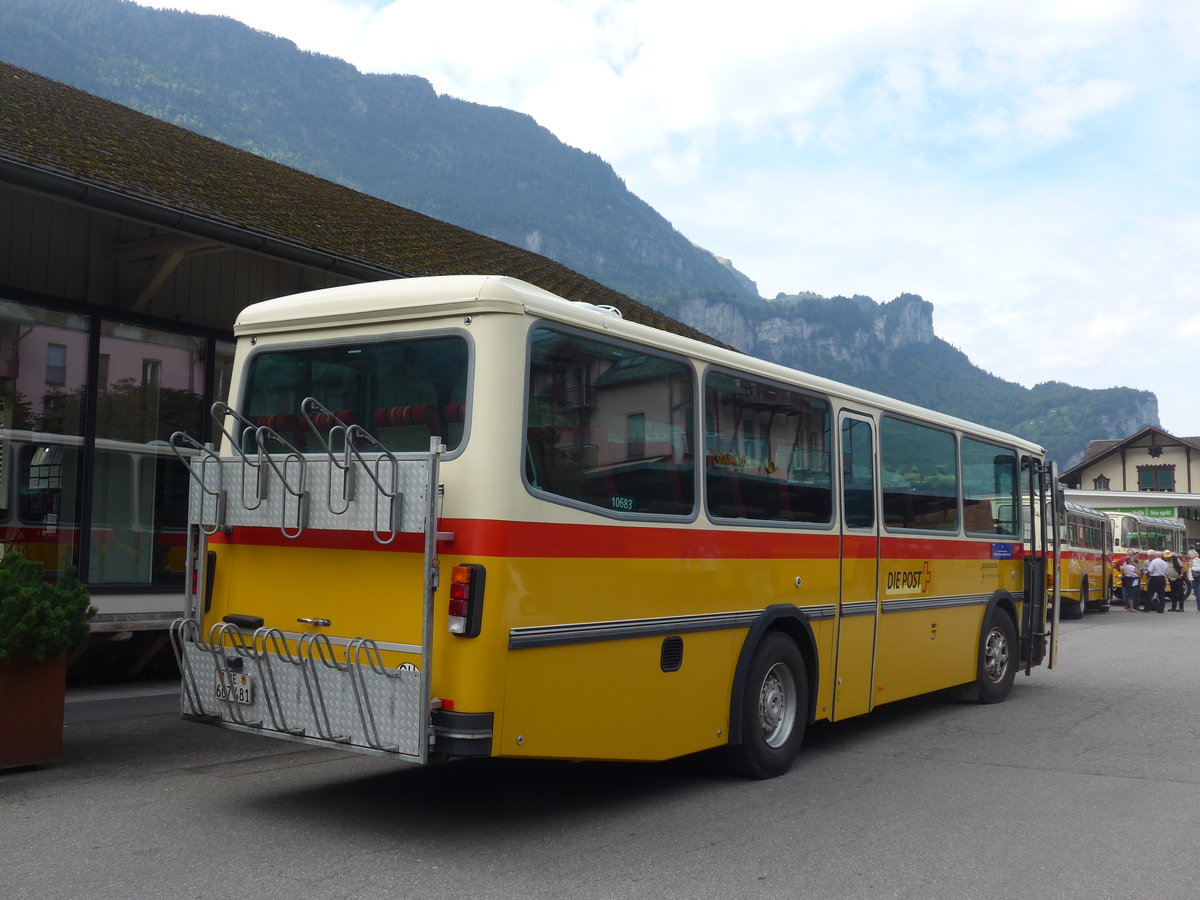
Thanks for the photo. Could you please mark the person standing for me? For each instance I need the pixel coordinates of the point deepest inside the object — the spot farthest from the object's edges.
(1174, 581)
(1194, 566)
(1131, 583)
(1156, 583)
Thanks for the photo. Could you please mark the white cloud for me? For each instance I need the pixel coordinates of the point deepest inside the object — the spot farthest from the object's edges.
(1052, 110)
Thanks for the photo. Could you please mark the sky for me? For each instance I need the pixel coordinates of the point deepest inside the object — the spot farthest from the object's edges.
(1030, 167)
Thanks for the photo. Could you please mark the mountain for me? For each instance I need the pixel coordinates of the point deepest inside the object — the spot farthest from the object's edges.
(499, 173)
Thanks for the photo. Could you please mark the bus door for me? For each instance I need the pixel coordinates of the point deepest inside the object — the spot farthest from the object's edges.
(1043, 563)
(858, 599)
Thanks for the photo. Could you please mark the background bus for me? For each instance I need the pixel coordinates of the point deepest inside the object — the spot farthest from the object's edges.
(1085, 571)
(1140, 534)
(651, 547)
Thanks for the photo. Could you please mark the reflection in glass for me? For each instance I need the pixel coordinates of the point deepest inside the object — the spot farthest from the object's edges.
(154, 386)
(766, 451)
(402, 392)
(858, 474)
(990, 488)
(609, 425)
(920, 476)
(43, 372)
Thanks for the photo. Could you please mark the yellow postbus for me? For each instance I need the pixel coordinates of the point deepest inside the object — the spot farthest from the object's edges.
(1086, 568)
(462, 516)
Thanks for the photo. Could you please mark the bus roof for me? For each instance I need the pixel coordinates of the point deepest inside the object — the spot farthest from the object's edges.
(1084, 510)
(393, 300)
(1145, 520)
(379, 302)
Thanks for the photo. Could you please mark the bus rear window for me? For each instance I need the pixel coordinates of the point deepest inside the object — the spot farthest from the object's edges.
(403, 392)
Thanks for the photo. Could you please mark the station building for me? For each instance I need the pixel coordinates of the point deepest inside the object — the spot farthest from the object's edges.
(1150, 473)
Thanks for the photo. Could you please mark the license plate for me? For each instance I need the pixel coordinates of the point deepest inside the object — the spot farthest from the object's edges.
(235, 686)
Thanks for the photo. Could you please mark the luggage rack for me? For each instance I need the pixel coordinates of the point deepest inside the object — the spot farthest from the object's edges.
(311, 693)
(306, 686)
(258, 469)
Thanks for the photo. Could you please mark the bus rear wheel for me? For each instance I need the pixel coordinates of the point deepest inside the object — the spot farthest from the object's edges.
(998, 658)
(774, 710)
(1083, 600)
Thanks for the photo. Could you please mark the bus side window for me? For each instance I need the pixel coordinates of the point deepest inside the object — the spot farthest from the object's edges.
(989, 488)
(609, 425)
(925, 459)
(767, 453)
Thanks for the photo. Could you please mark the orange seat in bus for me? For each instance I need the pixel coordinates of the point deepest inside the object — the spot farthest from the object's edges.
(288, 426)
(407, 427)
(407, 415)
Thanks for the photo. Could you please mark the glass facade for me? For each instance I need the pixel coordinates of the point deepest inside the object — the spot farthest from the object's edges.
(87, 478)
(43, 388)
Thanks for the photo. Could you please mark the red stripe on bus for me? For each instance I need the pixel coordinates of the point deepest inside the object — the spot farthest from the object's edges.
(496, 538)
(485, 537)
(941, 548)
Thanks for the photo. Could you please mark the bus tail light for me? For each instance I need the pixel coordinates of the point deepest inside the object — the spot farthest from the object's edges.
(466, 600)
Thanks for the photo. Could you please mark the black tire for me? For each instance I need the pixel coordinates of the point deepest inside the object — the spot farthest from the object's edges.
(999, 658)
(774, 709)
(1075, 610)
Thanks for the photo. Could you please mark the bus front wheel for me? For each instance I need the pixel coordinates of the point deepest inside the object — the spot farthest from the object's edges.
(998, 658)
(774, 709)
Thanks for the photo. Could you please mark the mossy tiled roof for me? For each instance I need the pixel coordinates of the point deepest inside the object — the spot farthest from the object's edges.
(52, 127)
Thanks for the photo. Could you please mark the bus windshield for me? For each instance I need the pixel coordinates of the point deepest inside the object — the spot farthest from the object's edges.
(402, 392)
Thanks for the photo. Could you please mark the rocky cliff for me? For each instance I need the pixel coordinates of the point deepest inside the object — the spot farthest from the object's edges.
(891, 348)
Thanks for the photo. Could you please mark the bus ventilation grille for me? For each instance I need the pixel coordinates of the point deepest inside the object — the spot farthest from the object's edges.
(672, 654)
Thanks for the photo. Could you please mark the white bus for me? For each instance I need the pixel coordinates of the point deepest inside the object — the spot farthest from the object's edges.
(1138, 534)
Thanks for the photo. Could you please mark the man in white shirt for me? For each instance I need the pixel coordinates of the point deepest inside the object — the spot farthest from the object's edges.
(1156, 583)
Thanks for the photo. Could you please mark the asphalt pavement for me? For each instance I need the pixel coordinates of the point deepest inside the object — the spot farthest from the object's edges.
(1083, 784)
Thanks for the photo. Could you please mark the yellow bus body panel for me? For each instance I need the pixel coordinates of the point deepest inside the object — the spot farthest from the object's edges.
(612, 700)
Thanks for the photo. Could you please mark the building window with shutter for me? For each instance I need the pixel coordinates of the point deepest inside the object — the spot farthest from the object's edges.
(1156, 478)
(1101, 483)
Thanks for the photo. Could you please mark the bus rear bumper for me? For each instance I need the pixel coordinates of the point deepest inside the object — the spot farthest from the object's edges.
(462, 734)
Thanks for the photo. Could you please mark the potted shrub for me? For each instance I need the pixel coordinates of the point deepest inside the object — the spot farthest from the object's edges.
(40, 621)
